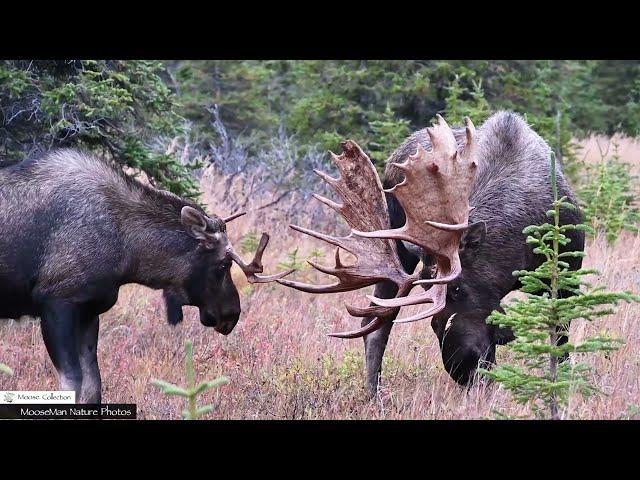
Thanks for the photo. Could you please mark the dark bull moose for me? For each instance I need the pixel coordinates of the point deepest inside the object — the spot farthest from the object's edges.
(75, 228)
(457, 199)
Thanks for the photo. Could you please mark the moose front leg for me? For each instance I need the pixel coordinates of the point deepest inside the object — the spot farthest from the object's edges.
(375, 343)
(58, 325)
(87, 347)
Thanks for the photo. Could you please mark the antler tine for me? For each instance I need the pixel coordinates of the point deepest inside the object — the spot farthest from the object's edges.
(441, 121)
(393, 233)
(330, 203)
(233, 217)
(338, 262)
(470, 130)
(469, 149)
(371, 311)
(251, 269)
(401, 301)
(442, 139)
(310, 288)
(327, 178)
(323, 269)
(370, 327)
(439, 299)
(338, 242)
(447, 227)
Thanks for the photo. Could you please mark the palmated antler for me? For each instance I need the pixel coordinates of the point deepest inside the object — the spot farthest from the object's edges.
(435, 198)
(364, 207)
(250, 269)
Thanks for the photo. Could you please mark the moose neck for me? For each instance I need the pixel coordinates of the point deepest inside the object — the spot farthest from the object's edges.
(158, 250)
(159, 258)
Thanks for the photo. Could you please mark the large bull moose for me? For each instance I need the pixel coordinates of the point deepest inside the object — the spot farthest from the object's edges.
(457, 199)
(74, 228)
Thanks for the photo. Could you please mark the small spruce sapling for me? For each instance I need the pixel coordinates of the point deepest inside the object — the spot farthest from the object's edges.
(293, 261)
(543, 380)
(608, 201)
(464, 101)
(250, 242)
(191, 392)
(316, 255)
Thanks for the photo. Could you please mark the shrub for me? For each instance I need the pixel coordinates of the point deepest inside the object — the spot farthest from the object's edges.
(250, 242)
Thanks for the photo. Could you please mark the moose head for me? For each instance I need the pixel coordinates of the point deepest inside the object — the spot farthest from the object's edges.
(208, 285)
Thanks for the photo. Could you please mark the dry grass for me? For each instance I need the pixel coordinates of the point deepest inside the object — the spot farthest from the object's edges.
(282, 365)
(628, 148)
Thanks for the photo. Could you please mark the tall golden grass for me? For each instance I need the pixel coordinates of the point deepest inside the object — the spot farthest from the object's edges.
(283, 366)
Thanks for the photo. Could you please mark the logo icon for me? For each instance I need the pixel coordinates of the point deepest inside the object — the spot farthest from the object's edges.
(9, 397)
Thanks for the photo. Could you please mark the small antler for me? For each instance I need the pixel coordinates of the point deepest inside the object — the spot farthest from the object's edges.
(233, 217)
(250, 269)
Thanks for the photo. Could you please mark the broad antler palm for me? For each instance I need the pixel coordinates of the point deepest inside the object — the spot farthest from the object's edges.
(435, 198)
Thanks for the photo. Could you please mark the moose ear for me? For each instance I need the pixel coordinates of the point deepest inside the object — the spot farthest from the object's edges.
(474, 235)
(174, 309)
(195, 223)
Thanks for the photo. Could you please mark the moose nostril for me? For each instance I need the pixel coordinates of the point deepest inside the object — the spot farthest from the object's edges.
(226, 323)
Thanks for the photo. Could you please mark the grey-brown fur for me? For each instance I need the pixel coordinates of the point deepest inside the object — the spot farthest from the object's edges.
(512, 190)
(75, 228)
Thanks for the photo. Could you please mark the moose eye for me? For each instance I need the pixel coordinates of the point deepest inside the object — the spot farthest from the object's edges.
(453, 292)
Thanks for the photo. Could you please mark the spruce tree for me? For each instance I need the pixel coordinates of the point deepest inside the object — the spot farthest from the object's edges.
(554, 298)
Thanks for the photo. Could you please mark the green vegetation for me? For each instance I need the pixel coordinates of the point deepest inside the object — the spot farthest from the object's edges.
(121, 109)
(293, 261)
(156, 116)
(554, 299)
(191, 392)
(376, 102)
(250, 242)
(608, 197)
(316, 255)
(5, 369)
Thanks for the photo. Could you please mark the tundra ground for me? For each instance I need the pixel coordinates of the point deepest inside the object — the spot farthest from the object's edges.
(281, 364)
